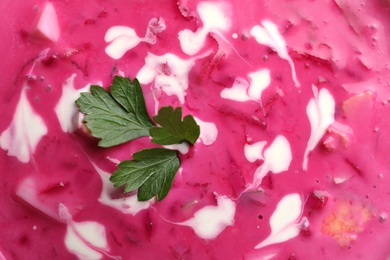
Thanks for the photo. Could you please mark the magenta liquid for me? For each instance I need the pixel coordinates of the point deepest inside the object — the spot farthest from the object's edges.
(293, 102)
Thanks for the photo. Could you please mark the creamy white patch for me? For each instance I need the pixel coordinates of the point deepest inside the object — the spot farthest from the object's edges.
(320, 111)
(123, 38)
(87, 239)
(215, 19)
(254, 151)
(256, 255)
(340, 180)
(242, 91)
(208, 131)
(47, 26)
(183, 148)
(28, 192)
(25, 131)
(238, 91)
(127, 205)
(284, 220)
(268, 34)
(277, 159)
(260, 80)
(168, 72)
(66, 109)
(210, 221)
(82, 238)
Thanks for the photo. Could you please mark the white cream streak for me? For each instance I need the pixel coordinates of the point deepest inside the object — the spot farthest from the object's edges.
(268, 34)
(25, 131)
(320, 111)
(284, 221)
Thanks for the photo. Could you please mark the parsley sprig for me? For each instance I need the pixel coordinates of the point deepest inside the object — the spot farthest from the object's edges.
(172, 130)
(116, 117)
(119, 116)
(151, 172)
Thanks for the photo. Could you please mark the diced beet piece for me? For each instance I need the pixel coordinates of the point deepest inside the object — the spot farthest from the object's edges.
(317, 199)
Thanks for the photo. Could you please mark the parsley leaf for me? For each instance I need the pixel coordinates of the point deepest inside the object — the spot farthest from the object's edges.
(120, 116)
(151, 172)
(117, 117)
(172, 129)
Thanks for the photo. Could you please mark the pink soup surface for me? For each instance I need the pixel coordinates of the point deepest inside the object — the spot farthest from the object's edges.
(293, 103)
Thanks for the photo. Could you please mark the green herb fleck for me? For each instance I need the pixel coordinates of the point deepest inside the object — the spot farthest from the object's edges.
(116, 118)
(172, 129)
(151, 172)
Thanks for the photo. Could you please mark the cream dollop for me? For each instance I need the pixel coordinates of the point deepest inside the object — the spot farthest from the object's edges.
(66, 109)
(121, 39)
(277, 159)
(284, 221)
(268, 34)
(20, 139)
(214, 19)
(210, 221)
(320, 111)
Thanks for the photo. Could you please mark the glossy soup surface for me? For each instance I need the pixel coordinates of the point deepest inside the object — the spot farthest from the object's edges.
(292, 98)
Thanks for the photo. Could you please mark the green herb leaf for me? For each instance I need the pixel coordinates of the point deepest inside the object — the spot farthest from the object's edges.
(117, 117)
(151, 172)
(172, 129)
(120, 116)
